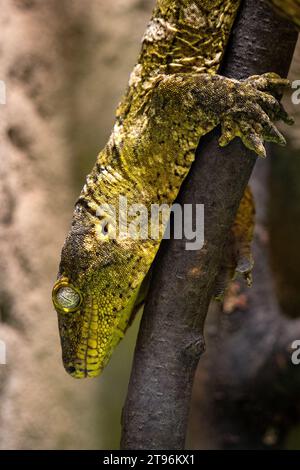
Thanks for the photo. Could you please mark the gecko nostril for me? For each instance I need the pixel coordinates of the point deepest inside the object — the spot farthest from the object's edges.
(71, 369)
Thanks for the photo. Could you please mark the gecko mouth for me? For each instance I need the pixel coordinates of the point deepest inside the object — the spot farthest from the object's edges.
(88, 367)
(71, 369)
(78, 325)
(80, 372)
(88, 362)
(89, 335)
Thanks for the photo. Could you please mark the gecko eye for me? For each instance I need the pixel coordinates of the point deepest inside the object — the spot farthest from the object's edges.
(66, 297)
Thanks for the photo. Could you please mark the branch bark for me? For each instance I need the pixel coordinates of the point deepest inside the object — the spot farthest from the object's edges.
(170, 340)
(247, 388)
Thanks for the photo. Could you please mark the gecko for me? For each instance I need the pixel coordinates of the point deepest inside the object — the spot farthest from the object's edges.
(174, 97)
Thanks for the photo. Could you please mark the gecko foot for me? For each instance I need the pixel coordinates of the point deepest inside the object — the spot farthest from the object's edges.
(256, 105)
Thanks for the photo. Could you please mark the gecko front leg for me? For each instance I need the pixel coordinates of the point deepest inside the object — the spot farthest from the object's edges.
(246, 109)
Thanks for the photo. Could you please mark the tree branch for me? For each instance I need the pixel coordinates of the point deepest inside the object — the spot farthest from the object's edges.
(170, 340)
(247, 388)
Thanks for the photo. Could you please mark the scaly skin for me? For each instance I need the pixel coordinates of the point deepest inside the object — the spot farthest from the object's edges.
(174, 97)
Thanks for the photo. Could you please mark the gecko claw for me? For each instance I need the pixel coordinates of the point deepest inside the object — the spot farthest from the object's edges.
(254, 110)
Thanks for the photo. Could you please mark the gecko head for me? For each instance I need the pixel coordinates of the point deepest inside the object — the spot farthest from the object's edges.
(92, 296)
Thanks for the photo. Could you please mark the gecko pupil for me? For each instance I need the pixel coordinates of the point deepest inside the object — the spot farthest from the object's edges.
(67, 297)
(105, 229)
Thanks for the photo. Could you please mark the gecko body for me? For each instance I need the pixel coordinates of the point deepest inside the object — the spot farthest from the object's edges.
(174, 97)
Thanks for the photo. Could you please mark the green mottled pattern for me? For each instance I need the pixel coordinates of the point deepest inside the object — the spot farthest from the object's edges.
(174, 97)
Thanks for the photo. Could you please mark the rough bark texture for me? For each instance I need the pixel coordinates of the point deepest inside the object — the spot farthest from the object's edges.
(170, 340)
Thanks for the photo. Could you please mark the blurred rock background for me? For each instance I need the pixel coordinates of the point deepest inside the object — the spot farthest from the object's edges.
(65, 64)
